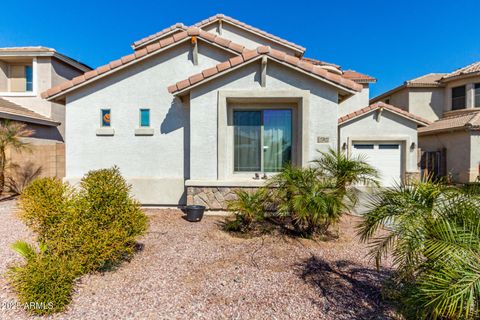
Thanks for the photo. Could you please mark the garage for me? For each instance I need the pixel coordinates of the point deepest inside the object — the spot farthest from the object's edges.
(385, 156)
(387, 137)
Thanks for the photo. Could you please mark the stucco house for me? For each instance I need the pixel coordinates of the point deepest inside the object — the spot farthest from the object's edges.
(451, 144)
(25, 72)
(196, 111)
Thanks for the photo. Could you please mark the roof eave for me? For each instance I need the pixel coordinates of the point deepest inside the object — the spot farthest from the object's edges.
(60, 97)
(51, 53)
(460, 76)
(417, 121)
(22, 118)
(180, 93)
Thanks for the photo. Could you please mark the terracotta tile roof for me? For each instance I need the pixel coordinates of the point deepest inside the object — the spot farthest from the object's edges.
(427, 80)
(249, 55)
(141, 54)
(455, 120)
(249, 28)
(358, 77)
(381, 105)
(320, 63)
(10, 110)
(142, 42)
(430, 80)
(471, 69)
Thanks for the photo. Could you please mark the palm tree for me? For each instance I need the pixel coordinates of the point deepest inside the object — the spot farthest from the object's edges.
(405, 210)
(310, 202)
(344, 172)
(247, 207)
(449, 284)
(11, 134)
(433, 234)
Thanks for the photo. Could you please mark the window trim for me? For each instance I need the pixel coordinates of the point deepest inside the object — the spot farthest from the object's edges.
(101, 117)
(261, 108)
(476, 102)
(464, 98)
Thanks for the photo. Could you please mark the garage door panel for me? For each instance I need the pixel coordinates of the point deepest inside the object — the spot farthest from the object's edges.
(385, 157)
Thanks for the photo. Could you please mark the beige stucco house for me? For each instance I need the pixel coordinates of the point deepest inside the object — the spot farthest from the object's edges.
(196, 111)
(451, 144)
(24, 73)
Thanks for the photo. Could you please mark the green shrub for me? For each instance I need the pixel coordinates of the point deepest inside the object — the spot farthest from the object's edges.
(248, 207)
(44, 284)
(92, 228)
(44, 204)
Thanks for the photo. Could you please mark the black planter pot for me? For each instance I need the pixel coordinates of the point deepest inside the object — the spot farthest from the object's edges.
(194, 213)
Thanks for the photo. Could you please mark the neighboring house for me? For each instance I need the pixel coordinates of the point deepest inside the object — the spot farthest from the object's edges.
(197, 111)
(24, 73)
(450, 145)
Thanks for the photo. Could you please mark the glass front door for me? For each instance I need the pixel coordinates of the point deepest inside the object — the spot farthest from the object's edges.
(262, 140)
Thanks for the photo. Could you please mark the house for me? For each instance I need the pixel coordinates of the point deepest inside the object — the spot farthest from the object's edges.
(196, 111)
(450, 146)
(24, 73)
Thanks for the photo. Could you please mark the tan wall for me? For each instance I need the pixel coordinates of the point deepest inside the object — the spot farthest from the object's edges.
(51, 157)
(399, 99)
(426, 102)
(458, 146)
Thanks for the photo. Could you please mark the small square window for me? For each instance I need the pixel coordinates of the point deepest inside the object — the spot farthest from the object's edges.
(106, 118)
(144, 117)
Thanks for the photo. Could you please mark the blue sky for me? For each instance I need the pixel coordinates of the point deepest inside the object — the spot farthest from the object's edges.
(390, 40)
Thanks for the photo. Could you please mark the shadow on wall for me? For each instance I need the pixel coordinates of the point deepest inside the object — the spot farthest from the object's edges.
(45, 132)
(348, 290)
(178, 117)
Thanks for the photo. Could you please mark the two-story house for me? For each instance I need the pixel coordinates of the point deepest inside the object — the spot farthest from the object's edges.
(24, 73)
(451, 144)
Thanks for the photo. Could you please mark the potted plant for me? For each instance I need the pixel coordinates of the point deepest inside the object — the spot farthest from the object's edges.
(194, 213)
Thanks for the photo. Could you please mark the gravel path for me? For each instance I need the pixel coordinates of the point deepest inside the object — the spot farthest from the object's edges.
(196, 271)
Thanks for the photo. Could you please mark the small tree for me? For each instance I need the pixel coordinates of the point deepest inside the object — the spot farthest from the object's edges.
(344, 171)
(11, 134)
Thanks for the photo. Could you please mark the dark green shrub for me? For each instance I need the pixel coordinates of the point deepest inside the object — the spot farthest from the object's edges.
(472, 188)
(92, 228)
(248, 207)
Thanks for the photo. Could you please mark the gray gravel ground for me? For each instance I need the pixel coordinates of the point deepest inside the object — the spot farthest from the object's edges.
(196, 271)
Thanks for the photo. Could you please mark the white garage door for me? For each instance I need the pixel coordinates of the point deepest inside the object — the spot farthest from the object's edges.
(384, 156)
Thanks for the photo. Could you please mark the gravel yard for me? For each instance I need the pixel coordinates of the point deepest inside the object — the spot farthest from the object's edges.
(194, 270)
